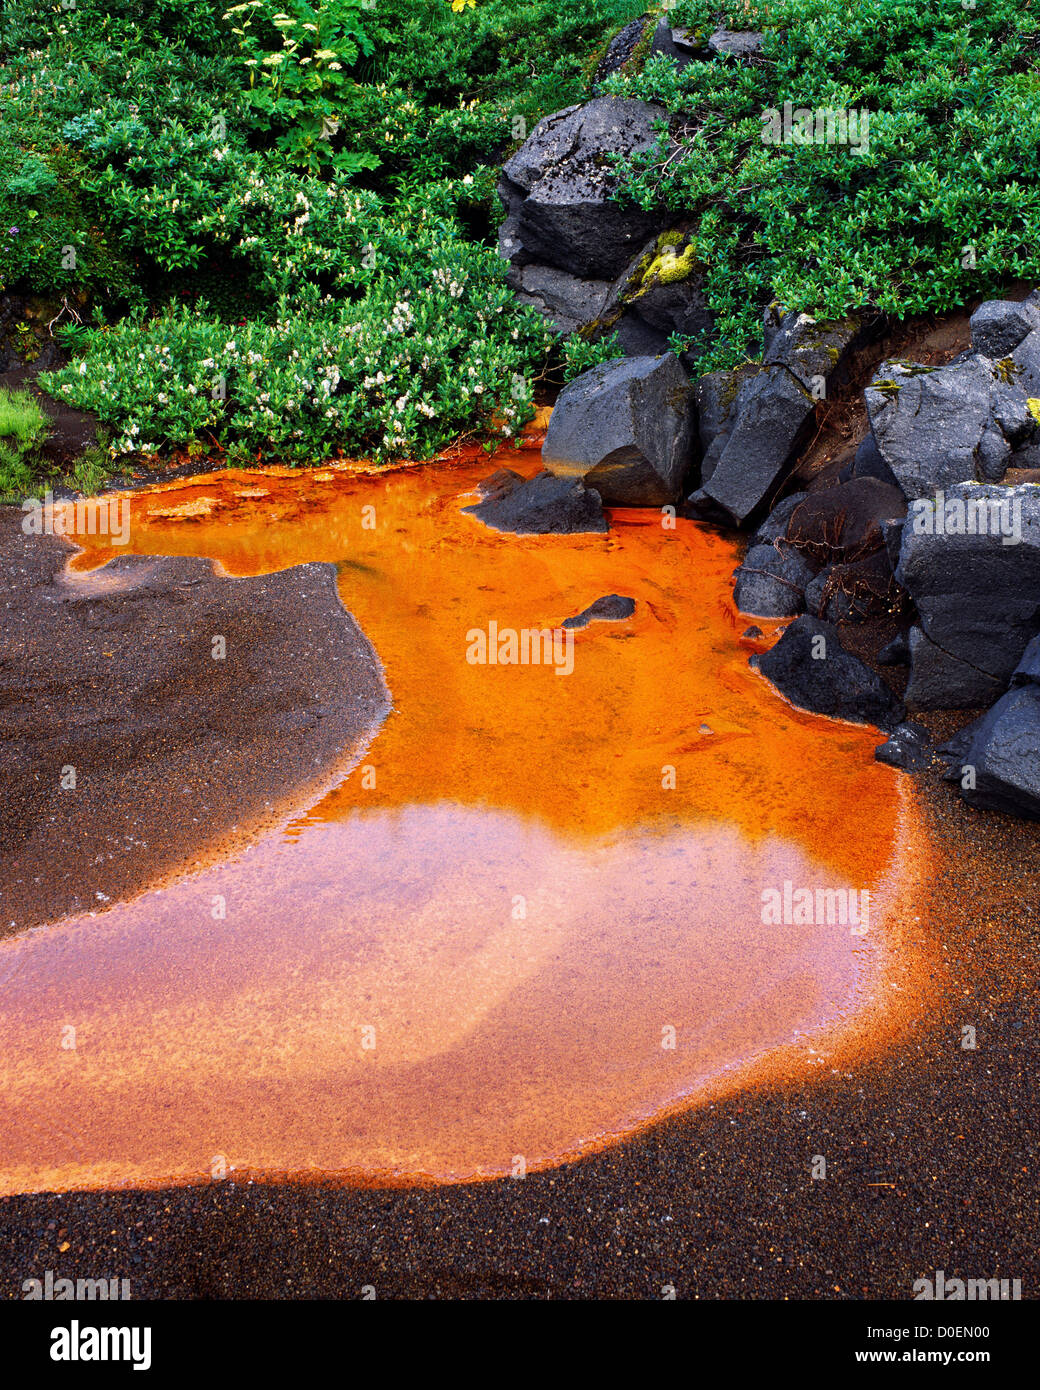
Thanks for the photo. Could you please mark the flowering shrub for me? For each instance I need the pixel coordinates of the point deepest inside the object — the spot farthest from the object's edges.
(84, 132)
(433, 348)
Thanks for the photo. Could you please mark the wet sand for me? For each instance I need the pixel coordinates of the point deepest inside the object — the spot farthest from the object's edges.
(178, 757)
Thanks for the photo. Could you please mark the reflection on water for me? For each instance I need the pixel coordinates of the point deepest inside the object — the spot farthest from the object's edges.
(481, 946)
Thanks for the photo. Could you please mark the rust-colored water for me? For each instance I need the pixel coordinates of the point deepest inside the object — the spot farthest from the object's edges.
(472, 949)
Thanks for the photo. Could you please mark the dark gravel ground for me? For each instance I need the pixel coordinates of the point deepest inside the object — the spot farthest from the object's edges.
(931, 1154)
(178, 756)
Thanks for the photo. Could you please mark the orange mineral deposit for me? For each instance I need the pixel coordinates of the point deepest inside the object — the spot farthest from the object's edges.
(528, 918)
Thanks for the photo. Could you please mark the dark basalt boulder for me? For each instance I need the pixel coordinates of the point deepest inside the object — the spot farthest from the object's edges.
(973, 573)
(999, 325)
(954, 751)
(542, 505)
(868, 463)
(774, 527)
(611, 608)
(933, 425)
(565, 300)
(684, 45)
(510, 247)
(557, 188)
(969, 420)
(499, 483)
(1025, 358)
(620, 49)
(626, 428)
(812, 670)
(812, 351)
(742, 43)
(1027, 672)
(688, 45)
(771, 582)
(892, 532)
(716, 396)
(996, 760)
(772, 414)
(662, 309)
(638, 339)
(844, 523)
(909, 746)
(940, 680)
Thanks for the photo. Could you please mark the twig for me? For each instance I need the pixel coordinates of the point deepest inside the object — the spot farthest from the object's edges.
(66, 307)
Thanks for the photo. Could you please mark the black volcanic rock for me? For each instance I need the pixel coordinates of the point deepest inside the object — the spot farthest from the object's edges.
(625, 427)
(771, 582)
(909, 746)
(610, 608)
(557, 188)
(811, 668)
(544, 505)
(996, 760)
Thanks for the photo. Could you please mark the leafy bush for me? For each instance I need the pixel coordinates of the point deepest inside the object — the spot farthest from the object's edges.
(943, 203)
(579, 354)
(64, 125)
(300, 173)
(431, 347)
(205, 181)
(374, 323)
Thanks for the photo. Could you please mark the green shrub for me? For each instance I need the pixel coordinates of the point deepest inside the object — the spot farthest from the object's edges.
(430, 346)
(941, 205)
(299, 82)
(67, 110)
(306, 181)
(579, 354)
(294, 190)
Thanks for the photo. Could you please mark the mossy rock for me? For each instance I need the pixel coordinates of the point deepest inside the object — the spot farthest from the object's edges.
(1006, 370)
(664, 264)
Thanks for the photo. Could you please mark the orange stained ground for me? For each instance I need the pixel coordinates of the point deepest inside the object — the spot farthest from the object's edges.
(475, 952)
